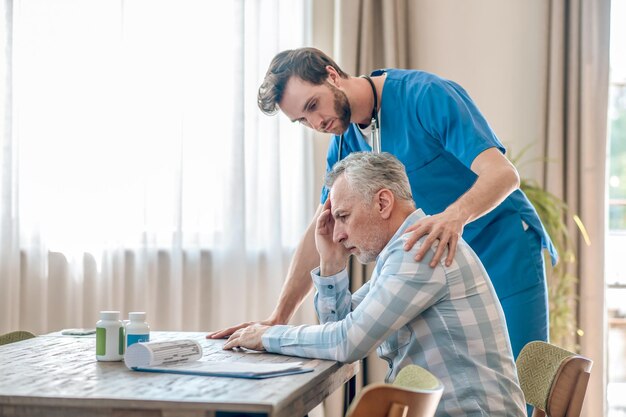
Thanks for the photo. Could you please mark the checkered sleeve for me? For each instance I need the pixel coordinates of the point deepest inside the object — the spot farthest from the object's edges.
(332, 297)
(402, 290)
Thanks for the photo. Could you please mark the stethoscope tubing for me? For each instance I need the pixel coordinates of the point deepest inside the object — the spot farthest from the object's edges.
(375, 124)
(374, 135)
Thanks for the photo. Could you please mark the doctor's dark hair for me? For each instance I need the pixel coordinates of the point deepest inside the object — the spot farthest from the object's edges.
(368, 172)
(309, 64)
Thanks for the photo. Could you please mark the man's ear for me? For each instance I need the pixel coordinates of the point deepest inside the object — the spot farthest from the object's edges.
(333, 76)
(384, 202)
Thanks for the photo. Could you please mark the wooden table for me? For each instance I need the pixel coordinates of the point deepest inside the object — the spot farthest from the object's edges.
(54, 375)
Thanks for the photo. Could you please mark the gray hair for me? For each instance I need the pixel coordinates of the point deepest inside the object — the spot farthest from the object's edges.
(368, 172)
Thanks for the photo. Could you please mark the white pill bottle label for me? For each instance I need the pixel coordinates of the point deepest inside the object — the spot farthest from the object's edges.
(137, 330)
(109, 337)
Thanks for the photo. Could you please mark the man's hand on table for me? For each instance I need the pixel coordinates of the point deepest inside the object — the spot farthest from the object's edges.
(224, 333)
(249, 337)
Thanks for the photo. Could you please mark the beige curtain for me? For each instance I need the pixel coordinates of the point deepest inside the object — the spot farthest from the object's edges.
(575, 145)
(371, 34)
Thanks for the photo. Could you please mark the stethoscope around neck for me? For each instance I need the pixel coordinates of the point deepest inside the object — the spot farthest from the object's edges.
(375, 124)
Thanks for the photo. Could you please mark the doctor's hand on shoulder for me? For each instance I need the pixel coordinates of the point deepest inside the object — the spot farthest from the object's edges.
(496, 179)
(445, 227)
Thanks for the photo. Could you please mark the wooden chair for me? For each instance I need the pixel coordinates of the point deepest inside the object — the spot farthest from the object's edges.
(553, 380)
(414, 393)
(15, 337)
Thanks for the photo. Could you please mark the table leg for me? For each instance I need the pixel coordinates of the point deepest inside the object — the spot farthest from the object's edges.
(349, 392)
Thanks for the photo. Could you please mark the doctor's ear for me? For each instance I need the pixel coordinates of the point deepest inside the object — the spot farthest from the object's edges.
(384, 200)
(333, 76)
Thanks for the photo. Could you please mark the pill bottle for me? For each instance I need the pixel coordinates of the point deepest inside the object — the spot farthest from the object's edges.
(137, 330)
(109, 337)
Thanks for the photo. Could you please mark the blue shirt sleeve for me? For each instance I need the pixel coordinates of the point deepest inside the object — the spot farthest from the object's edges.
(445, 111)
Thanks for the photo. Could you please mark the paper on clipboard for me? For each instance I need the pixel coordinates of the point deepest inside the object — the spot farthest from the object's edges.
(185, 357)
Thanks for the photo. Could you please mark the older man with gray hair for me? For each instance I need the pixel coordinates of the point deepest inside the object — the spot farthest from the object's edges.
(446, 319)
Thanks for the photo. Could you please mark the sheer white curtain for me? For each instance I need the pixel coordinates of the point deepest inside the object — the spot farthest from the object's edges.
(137, 172)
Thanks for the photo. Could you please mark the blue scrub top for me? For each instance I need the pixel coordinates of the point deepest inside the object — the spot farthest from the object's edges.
(434, 128)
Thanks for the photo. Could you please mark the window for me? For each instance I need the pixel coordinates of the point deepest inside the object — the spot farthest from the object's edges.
(135, 119)
(616, 236)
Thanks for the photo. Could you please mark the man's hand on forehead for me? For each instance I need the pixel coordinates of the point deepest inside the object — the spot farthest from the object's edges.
(326, 222)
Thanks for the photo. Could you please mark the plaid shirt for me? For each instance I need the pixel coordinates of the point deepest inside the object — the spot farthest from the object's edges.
(445, 319)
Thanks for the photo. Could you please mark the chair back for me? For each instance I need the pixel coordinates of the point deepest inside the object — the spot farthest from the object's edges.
(553, 379)
(414, 393)
(15, 337)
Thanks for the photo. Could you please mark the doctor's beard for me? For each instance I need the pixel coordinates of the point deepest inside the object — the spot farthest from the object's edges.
(342, 108)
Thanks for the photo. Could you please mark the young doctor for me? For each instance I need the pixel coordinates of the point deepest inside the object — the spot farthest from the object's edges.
(456, 167)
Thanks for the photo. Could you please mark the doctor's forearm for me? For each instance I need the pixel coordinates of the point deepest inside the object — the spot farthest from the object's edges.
(298, 282)
(497, 179)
